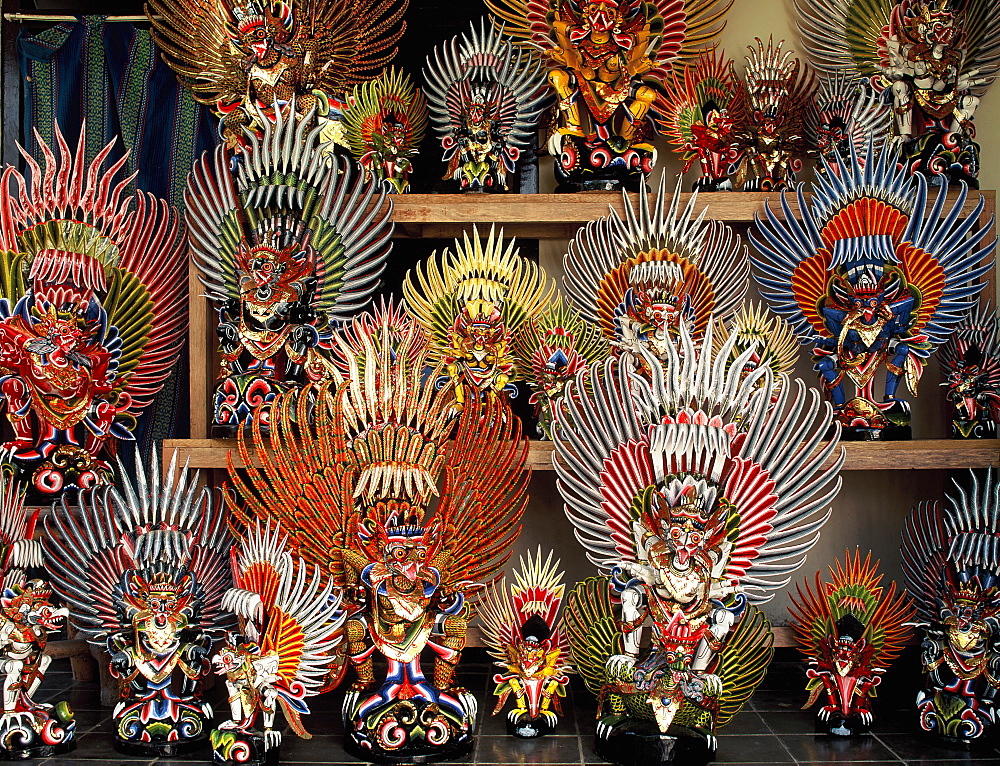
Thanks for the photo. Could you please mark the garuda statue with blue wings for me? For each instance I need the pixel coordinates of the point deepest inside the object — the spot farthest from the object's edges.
(93, 311)
(872, 276)
(930, 60)
(288, 244)
(697, 491)
(405, 510)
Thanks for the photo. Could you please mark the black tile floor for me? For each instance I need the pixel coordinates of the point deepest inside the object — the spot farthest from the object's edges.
(771, 729)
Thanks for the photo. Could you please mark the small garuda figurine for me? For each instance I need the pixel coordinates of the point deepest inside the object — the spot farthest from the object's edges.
(384, 123)
(693, 112)
(771, 111)
(405, 511)
(554, 346)
(872, 278)
(768, 337)
(523, 632)
(949, 556)
(850, 629)
(485, 96)
(664, 479)
(932, 60)
(143, 570)
(470, 304)
(28, 729)
(248, 59)
(290, 243)
(288, 646)
(639, 278)
(93, 312)
(970, 366)
(606, 61)
(848, 113)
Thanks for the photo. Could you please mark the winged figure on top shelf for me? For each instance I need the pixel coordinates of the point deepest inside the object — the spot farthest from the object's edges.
(554, 346)
(663, 477)
(248, 59)
(288, 245)
(872, 277)
(471, 304)
(950, 563)
(405, 504)
(606, 60)
(143, 570)
(848, 113)
(970, 366)
(289, 646)
(28, 729)
(523, 632)
(639, 278)
(931, 60)
(384, 121)
(850, 629)
(693, 112)
(485, 96)
(771, 110)
(93, 311)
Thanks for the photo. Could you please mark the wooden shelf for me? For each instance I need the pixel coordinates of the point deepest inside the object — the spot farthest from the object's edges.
(921, 454)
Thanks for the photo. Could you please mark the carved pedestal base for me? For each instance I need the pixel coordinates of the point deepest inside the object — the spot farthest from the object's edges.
(973, 429)
(945, 152)
(41, 733)
(529, 728)
(862, 420)
(838, 726)
(588, 163)
(646, 746)
(242, 748)
(160, 749)
(412, 730)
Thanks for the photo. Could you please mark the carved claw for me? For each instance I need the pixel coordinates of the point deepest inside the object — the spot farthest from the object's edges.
(516, 713)
(272, 738)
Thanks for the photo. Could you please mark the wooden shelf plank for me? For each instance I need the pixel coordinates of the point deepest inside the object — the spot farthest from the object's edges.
(861, 456)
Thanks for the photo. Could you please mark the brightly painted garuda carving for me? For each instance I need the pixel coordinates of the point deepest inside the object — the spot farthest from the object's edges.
(143, 570)
(93, 311)
(288, 244)
(850, 629)
(470, 304)
(288, 647)
(485, 97)
(639, 278)
(522, 628)
(848, 113)
(873, 277)
(28, 729)
(696, 492)
(950, 562)
(970, 366)
(405, 510)
(606, 61)
(932, 60)
(248, 59)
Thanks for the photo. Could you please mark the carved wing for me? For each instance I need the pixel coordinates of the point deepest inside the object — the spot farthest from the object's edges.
(982, 36)
(496, 619)
(527, 21)
(689, 28)
(390, 97)
(924, 556)
(592, 630)
(979, 330)
(743, 662)
(214, 224)
(843, 35)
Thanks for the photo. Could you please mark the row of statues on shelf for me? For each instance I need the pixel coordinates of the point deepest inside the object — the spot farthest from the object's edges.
(376, 512)
(290, 245)
(609, 75)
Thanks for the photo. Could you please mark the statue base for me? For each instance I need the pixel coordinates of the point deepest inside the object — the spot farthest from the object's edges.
(973, 429)
(646, 746)
(413, 730)
(231, 747)
(887, 434)
(589, 163)
(39, 751)
(838, 726)
(41, 732)
(160, 749)
(862, 420)
(946, 152)
(529, 728)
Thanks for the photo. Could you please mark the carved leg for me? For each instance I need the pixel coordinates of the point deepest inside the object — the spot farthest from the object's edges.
(360, 653)
(453, 641)
(569, 110)
(644, 98)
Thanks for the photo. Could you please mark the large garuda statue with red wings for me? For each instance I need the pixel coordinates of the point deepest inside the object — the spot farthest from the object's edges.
(288, 244)
(932, 60)
(93, 311)
(850, 629)
(872, 277)
(606, 60)
(640, 276)
(288, 646)
(248, 59)
(950, 563)
(408, 512)
(143, 570)
(696, 490)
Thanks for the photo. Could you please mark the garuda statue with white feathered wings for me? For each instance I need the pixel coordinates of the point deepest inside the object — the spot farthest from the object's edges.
(288, 244)
(406, 511)
(248, 59)
(606, 60)
(932, 60)
(697, 492)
